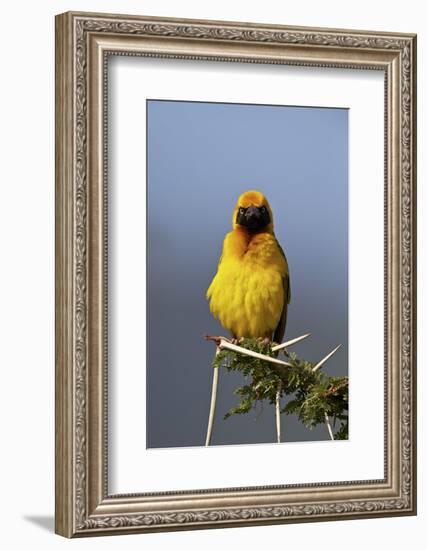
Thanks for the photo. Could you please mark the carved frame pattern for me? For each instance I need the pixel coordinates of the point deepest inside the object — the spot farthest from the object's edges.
(83, 506)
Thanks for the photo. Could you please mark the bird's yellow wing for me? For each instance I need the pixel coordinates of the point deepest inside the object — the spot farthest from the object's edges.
(280, 329)
(209, 290)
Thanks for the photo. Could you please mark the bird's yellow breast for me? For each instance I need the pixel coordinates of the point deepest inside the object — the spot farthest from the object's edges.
(247, 294)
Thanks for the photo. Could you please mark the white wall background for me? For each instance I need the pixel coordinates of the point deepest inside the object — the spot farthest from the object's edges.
(27, 273)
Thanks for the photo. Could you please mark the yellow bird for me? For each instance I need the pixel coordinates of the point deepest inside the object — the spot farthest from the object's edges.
(250, 292)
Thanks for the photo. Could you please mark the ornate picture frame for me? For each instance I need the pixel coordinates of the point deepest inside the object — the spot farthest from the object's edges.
(84, 506)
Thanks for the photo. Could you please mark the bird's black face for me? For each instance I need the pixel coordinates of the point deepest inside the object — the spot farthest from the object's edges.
(254, 218)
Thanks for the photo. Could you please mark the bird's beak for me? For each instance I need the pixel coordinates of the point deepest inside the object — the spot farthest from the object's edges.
(252, 215)
(253, 219)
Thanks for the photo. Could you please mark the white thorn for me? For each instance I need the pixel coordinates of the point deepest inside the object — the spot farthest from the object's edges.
(214, 392)
(238, 349)
(328, 425)
(323, 361)
(290, 342)
(278, 427)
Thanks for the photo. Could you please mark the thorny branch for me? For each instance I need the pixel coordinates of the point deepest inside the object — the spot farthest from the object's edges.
(315, 396)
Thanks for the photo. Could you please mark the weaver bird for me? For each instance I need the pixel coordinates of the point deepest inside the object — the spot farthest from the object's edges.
(250, 292)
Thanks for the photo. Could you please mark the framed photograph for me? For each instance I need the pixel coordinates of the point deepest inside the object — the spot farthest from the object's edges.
(235, 274)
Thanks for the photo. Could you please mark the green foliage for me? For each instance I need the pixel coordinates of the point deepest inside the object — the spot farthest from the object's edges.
(314, 394)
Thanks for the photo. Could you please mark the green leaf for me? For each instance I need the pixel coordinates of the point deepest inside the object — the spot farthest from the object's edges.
(312, 393)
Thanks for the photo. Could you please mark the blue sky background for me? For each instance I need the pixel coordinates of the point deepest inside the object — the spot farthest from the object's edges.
(201, 156)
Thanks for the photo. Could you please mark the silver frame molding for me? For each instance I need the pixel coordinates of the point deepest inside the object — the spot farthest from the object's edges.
(83, 43)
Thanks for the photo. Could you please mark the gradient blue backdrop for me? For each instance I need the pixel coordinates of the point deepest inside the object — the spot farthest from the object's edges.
(201, 156)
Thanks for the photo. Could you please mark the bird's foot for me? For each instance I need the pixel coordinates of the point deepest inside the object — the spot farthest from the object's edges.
(264, 341)
(219, 339)
(216, 339)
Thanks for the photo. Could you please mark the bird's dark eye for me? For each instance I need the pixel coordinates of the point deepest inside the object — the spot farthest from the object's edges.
(241, 210)
(263, 209)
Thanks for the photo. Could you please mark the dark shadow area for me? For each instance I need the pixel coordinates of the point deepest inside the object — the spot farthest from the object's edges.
(45, 522)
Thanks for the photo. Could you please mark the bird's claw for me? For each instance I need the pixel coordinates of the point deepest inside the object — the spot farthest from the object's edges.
(216, 339)
(264, 341)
